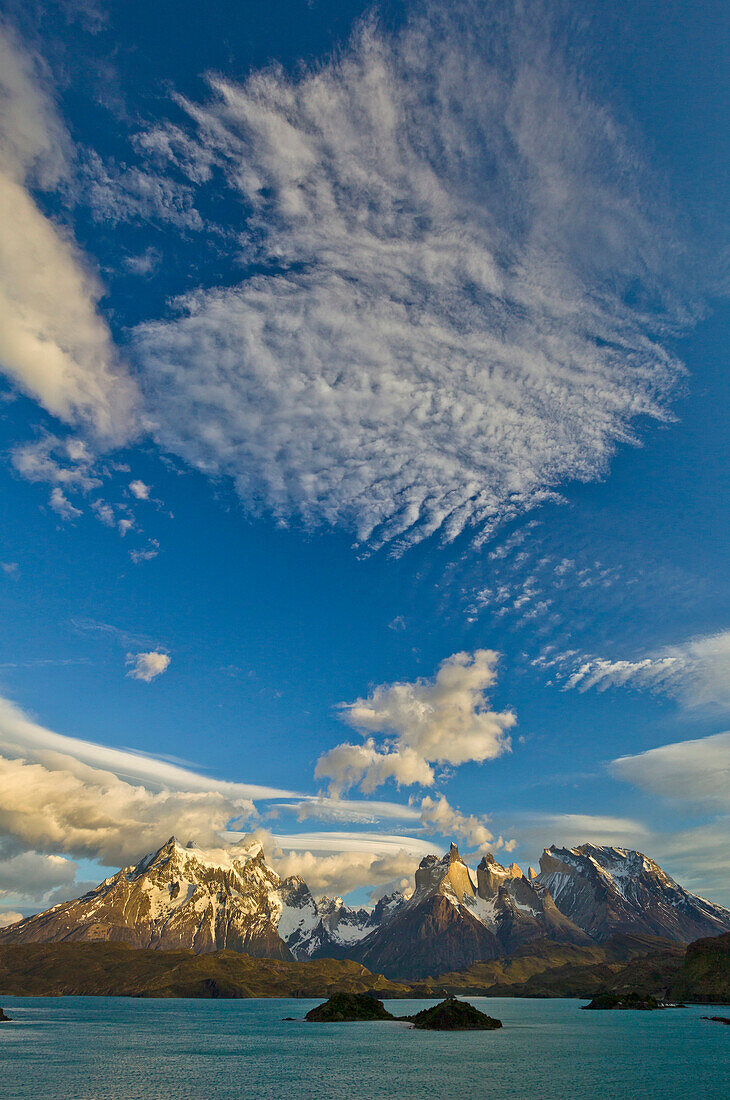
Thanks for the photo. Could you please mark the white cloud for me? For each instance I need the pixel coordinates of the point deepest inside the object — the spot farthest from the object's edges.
(53, 342)
(69, 807)
(452, 823)
(67, 463)
(570, 829)
(697, 672)
(381, 844)
(146, 666)
(320, 808)
(8, 917)
(21, 737)
(61, 795)
(338, 873)
(455, 228)
(147, 553)
(139, 490)
(444, 721)
(695, 772)
(695, 776)
(63, 505)
(32, 876)
(122, 193)
(365, 765)
(339, 862)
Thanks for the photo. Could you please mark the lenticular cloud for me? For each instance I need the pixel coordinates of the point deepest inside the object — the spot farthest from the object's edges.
(449, 302)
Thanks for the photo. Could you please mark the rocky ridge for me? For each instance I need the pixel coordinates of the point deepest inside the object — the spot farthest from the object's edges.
(606, 890)
(230, 899)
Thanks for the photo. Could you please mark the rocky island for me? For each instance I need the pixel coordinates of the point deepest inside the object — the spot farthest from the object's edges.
(454, 1015)
(624, 1001)
(349, 1008)
(3, 1018)
(450, 1015)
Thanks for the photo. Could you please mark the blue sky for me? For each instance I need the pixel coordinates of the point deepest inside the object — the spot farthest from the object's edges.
(364, 435)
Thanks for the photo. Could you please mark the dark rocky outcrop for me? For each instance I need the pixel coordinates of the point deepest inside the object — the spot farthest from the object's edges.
(3, 1018)
(717, 1019)
(454, 1015)
(348, 1008)
(705, 972)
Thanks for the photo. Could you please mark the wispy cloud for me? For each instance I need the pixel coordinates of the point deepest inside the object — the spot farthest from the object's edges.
(695, 772)
(451, 228)
(694, 776)
(61, 794)
(696, 672)
(53, 341)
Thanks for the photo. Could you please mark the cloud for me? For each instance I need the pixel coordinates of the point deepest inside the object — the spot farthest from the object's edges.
(33, 876)
(695, 776)
(452, 823)
(8, 917)
(339, 862)
(122, 193)
(23, 738)
(69, 466)
(697, 672)
(571, 829)
(81, 811)
(139, 490)
(452, 304)
(9, 568)
(445, 721)
(63, 505)
(368, 812)
(365, 765)
(67, 463)
(60, 795)
(146, 666)
(344, 871)
(695, 772)
(54, 343)
(147, 553)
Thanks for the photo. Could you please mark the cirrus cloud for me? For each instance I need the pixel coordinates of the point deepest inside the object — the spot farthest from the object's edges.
(453, 303)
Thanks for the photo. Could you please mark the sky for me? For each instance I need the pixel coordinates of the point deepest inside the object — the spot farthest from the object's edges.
(363, 435)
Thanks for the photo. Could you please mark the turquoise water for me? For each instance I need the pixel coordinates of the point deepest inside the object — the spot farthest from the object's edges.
(98, 1048)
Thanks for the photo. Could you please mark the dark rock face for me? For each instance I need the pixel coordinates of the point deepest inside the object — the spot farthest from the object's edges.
(520, 914)
(612, 890)
(454, 1015)
(705, 972)
(427, 938)
(624, 1001)
(348, 1008)
(449, 924)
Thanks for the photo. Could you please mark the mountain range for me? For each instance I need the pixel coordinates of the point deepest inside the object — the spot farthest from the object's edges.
(182, 897)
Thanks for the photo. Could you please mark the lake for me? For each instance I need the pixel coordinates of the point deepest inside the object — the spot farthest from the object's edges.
(112, 1048)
